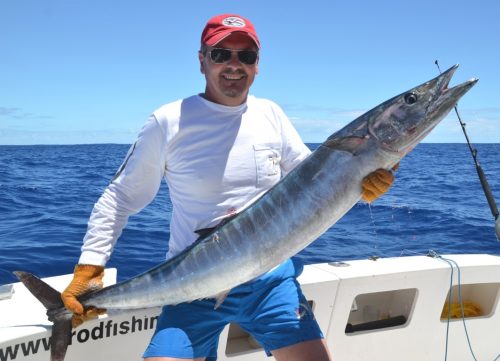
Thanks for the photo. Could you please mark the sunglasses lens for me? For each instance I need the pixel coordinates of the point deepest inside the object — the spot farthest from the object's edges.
(247, 56)
(220, 56)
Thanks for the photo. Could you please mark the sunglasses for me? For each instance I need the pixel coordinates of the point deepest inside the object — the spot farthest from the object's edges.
(221, 55)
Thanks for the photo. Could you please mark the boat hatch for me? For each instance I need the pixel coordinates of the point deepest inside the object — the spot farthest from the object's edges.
(479, 300)
(378, 310)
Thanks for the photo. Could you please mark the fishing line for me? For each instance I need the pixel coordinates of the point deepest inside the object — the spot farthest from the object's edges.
(375, 248)
(371, 214)
(452, 265)
(480, 172)
(405, 251)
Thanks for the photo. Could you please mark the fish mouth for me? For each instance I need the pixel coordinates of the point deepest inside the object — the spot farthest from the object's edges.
(445, 95)
(457, 91)
(446, 98)
(443, 80)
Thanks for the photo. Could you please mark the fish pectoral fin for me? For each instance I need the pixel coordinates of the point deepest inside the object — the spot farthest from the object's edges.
(347, 144)
(202, 233)
(220, 297)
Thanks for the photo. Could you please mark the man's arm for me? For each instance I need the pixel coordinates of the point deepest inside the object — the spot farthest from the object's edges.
(134, 186)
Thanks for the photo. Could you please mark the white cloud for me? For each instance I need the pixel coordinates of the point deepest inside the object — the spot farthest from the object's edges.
(12, 113)
(27, 137)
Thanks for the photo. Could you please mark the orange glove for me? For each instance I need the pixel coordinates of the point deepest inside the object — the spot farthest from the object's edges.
(86, 278)
(377, 183)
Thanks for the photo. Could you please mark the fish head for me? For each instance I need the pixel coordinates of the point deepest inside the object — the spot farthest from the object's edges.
(400, 123)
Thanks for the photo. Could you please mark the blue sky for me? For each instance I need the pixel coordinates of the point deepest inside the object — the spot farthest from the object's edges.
(74, 72)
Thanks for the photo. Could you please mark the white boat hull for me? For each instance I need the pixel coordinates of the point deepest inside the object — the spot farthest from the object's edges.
(404, 296)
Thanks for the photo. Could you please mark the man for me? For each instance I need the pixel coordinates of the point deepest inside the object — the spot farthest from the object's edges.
(218, 151)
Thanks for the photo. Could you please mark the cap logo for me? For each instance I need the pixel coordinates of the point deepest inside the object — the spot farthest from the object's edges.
(234, 22)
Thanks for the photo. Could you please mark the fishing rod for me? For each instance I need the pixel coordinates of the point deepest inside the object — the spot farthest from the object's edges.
(480, 173)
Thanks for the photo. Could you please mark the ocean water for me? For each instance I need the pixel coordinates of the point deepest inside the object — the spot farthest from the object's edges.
(47, 193)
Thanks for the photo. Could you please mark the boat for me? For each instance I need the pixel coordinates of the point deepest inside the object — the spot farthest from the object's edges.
(420, 307)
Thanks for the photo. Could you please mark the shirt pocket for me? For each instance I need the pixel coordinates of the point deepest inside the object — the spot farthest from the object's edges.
(267, 163)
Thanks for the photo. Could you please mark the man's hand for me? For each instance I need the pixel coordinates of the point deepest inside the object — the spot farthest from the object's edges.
(86, 278)
(377, 183)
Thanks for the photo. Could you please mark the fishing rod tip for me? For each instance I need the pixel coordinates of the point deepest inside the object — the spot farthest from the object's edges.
(497, 228)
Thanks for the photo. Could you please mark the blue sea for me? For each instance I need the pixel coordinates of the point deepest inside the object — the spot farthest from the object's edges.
(47, 193)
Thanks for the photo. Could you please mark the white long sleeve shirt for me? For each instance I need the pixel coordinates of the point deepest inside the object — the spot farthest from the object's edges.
(215, 159)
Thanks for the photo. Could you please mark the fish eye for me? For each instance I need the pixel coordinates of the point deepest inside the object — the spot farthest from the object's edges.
(410, 98)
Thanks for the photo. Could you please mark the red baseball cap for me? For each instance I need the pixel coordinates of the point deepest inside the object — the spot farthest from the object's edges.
(221, 26)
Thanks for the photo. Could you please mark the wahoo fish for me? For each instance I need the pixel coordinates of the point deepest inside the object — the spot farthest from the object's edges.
(287, 218)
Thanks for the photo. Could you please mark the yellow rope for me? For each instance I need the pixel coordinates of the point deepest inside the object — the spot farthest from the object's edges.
(471, 309)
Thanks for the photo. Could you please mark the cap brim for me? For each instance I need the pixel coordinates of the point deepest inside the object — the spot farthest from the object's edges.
(219, 37)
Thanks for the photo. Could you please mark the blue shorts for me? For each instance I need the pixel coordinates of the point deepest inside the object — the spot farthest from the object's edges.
(271, 308)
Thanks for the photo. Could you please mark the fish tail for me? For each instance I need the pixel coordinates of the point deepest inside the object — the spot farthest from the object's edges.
(51, 299)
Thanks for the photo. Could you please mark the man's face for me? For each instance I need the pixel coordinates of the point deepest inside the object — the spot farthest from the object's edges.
(228, 83)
